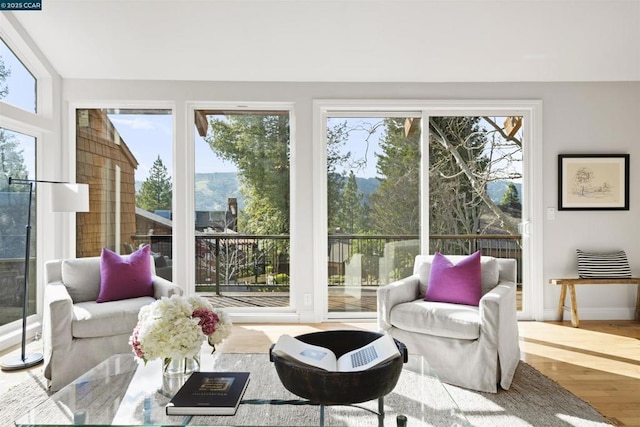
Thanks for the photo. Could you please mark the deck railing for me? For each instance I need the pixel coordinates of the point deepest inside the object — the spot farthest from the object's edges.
(227, 261)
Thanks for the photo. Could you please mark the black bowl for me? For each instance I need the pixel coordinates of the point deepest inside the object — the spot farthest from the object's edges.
(339, 388)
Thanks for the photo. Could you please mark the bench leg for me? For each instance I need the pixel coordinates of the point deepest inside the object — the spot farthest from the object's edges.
(563, 295)
(574, 306)
(638, 304)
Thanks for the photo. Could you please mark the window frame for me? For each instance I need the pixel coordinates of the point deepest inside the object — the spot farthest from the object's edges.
(41, 126)
(186, 210)
(531, 110)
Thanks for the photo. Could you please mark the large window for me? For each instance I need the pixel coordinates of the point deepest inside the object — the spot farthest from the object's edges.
(126, 158)
(17, 84)
(17, 160)
(242, 205)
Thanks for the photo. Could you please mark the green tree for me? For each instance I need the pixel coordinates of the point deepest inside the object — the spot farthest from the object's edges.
(394, 206)
(13, 206)
(258, 144)
(11, 161)
(156, 191)
(336, 138)
(456, 145)
(351, 212)
(511, 198)
(4, 73)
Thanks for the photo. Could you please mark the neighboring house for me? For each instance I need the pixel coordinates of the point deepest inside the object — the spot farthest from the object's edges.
(100, 151)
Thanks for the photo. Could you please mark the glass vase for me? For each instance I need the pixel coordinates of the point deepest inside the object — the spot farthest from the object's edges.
(180, 367)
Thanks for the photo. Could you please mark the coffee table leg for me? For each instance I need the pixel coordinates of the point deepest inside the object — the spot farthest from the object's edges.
(381, 411)
(321, 414)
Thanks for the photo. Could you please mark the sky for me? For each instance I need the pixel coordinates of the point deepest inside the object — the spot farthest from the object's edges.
(24, 98)
(150, 135)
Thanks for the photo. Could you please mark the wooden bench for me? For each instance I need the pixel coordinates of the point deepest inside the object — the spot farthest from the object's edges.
(570, 283)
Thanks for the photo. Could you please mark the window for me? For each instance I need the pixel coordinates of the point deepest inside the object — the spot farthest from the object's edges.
(126, 158)
(17, 160)
(17, 84)
(242, 204)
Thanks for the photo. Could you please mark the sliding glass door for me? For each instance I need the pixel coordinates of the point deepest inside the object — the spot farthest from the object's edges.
(373, 205)
(420, 177)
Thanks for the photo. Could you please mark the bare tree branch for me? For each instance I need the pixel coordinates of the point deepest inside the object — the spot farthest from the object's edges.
(477, 186)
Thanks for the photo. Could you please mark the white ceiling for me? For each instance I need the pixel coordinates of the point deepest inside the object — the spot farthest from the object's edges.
(340, 40)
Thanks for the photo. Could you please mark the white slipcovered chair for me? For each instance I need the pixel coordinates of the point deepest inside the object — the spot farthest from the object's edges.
(468, 346)
(78, 332)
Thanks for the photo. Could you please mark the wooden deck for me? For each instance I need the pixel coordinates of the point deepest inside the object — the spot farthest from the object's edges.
(339, 300)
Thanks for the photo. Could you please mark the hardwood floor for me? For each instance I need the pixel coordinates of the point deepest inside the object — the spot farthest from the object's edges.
(599, 362)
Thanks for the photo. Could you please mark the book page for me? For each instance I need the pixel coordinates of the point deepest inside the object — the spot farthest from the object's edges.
(380, 350)
(292, 348)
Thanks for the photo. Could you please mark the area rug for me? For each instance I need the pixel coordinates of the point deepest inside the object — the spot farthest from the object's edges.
(533, 400)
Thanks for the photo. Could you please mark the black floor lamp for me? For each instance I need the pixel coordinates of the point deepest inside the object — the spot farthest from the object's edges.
(65, 197)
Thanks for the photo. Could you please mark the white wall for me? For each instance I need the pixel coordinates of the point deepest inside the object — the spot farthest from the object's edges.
(577, 118)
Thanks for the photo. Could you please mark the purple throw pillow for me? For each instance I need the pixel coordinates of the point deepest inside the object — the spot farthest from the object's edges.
(125, 277)
(458, 284)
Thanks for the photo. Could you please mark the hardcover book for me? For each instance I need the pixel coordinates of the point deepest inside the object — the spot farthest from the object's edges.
(209, 393)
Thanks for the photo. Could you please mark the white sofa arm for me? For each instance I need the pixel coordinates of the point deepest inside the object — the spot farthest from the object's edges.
(498, 314)
(56, 320)
(164, 288)
(499, 326)
(388, 296)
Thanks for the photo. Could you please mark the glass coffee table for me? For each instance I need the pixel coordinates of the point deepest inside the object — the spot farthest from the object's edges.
(123, 391)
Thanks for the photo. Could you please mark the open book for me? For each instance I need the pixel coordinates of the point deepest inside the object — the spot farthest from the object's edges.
(372, 354)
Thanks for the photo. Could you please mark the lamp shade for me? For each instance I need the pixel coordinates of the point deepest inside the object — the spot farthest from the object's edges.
(69, 197)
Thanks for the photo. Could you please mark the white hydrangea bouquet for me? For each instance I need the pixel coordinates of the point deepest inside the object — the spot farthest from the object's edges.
(174, 328)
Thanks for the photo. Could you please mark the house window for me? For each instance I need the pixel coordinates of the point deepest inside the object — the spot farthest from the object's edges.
(125, 156)
(17, 84)
(17, 160)
(242, 207)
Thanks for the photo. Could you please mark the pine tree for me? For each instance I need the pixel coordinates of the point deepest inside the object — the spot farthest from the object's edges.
(394, 206)
(351, 211)
(510, 198)
(4, 73)
(11, 162)
(156, 191)
(258, 144)
(13, 207)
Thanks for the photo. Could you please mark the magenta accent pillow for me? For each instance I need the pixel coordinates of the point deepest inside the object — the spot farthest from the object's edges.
(458, 284)
(125, 277)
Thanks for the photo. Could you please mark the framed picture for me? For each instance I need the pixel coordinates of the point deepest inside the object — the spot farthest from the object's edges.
(593, 182)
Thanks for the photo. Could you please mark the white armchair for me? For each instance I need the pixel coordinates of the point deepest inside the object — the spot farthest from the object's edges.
(78, 332)
(468, 346)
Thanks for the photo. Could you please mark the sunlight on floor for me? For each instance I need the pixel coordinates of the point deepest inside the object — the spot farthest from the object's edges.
(559, 343)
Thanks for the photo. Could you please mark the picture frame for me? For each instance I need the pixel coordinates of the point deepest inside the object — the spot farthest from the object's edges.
(593, 182)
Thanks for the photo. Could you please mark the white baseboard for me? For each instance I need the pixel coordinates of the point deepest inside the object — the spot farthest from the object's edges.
(14, 338)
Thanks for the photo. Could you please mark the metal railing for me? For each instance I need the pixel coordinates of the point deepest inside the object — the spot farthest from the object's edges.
(241, 262)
